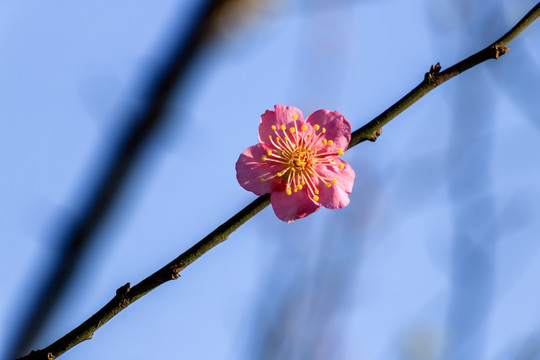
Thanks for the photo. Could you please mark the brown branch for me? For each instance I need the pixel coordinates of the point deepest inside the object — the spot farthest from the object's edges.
(126, 295)
(435, 77)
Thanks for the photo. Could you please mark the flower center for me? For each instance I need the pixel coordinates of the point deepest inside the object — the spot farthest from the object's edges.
(297, 153)
(300, 159)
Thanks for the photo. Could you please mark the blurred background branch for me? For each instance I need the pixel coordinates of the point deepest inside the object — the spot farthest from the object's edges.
(143, 123)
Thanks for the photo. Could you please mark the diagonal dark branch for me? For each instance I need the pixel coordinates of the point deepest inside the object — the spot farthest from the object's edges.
(435, 77)
(126, 295)
(144, 123)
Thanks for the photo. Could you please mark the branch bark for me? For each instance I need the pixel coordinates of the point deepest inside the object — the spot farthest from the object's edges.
(126, 295)
(434, 77)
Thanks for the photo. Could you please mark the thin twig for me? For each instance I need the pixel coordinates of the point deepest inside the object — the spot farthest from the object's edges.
(435, 77)
(126, 295)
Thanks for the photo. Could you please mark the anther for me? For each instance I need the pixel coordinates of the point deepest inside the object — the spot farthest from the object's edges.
(281, 174)
(316, 127)
(341, 166)
(340, 151)
(330, 143)
(294, 117)
(315, 197)
(288, 191)
(274, 127)
(263, 158)
(303, 127)
(316, 191)
(261, 180)
(269, 152)
(324, 141)
(327, 184)
(283, 127)
(323, 130)
(291, 130)
(334, 180)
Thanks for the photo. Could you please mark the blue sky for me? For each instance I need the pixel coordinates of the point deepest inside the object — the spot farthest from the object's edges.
(462, 163)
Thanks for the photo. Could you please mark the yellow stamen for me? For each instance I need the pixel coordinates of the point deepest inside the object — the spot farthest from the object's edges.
(300, 158)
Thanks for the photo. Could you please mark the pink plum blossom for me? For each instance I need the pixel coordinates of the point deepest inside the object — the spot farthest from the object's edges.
(297, 161)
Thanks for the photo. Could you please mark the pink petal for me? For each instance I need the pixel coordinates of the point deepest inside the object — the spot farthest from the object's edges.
(250, 169)
(338, 129)
(337, 195)
(282, 115)
(291, 207)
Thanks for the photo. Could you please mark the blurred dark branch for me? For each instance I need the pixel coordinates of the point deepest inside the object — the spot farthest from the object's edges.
(77, 236)
(435, 77)
(125, 296)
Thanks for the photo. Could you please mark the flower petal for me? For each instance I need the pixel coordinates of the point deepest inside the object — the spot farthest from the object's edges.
(291, 207)
(282, 115)
(250, 169)
(338, 129)
(337, 195)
